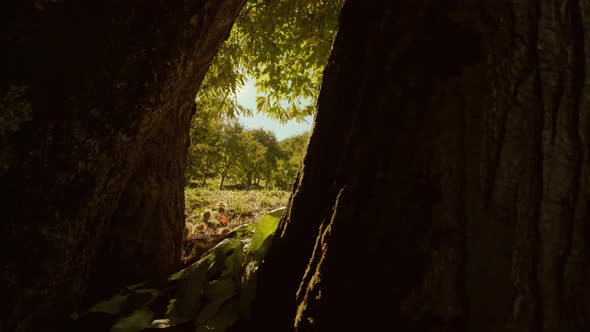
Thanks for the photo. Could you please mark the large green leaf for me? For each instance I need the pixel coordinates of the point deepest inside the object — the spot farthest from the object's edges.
(193, 281)
(139, 319)
(234, 264)
(222, 251)
(138, 299)
(243, 231)
(225, 317)
(263, 237)
(258, 249)
(185, 304)
(111, 306)
(217, 293)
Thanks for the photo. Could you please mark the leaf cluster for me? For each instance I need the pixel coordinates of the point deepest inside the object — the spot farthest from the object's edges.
(284, 46)
(209, 295)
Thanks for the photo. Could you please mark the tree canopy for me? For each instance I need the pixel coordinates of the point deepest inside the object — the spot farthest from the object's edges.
(284, 46)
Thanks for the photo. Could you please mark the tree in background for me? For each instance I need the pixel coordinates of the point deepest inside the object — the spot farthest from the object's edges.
(223, 148)
(293, 151)
(251, 160)
(205, 151)
(231, 148)
(273, 153)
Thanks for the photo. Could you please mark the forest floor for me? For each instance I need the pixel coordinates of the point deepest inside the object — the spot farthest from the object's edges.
(212, 213)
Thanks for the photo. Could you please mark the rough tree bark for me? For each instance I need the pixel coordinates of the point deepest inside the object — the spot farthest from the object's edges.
(447, 180)
(96, 99)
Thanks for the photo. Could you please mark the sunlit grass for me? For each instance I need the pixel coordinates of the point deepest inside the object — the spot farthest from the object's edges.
(212, 213)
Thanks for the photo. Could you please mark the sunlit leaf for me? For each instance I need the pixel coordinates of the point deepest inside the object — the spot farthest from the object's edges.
(263, 237)
(282, 44)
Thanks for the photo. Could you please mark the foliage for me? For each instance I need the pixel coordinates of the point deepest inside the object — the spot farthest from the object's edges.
(272, 155)
(205, 151)
(240, 207)
(284, 45)
(232, 148)
(209, 295)
(252, 159)
(287, 167)
(222, 148)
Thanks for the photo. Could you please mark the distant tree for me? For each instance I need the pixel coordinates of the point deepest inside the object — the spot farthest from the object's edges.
(205, 152)
(231, 148)
(293, 150)
(272, 155)
(251, 160)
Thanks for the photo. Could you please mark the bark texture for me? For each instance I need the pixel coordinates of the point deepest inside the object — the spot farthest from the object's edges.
(447, 179)
(96, 99)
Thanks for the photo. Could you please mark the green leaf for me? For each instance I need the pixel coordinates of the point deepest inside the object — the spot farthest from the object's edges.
(234, 264)
(111, 306)
(193, 281)
(248, 291)
(243, 231)
(261, 102)
(138, 320)
(263, 237)
(277, 213)
(222, 251)
(135, 286)
(225, 317)
(187, 297)
(217, 293)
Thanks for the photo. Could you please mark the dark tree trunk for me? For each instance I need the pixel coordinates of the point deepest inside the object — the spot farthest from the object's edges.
(96, 100)
(447, 180)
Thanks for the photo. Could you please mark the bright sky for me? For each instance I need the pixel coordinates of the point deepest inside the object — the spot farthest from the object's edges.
(247, 98)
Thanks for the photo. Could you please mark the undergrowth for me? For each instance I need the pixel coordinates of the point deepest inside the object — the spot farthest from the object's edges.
(212, 213)
(209, 295)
